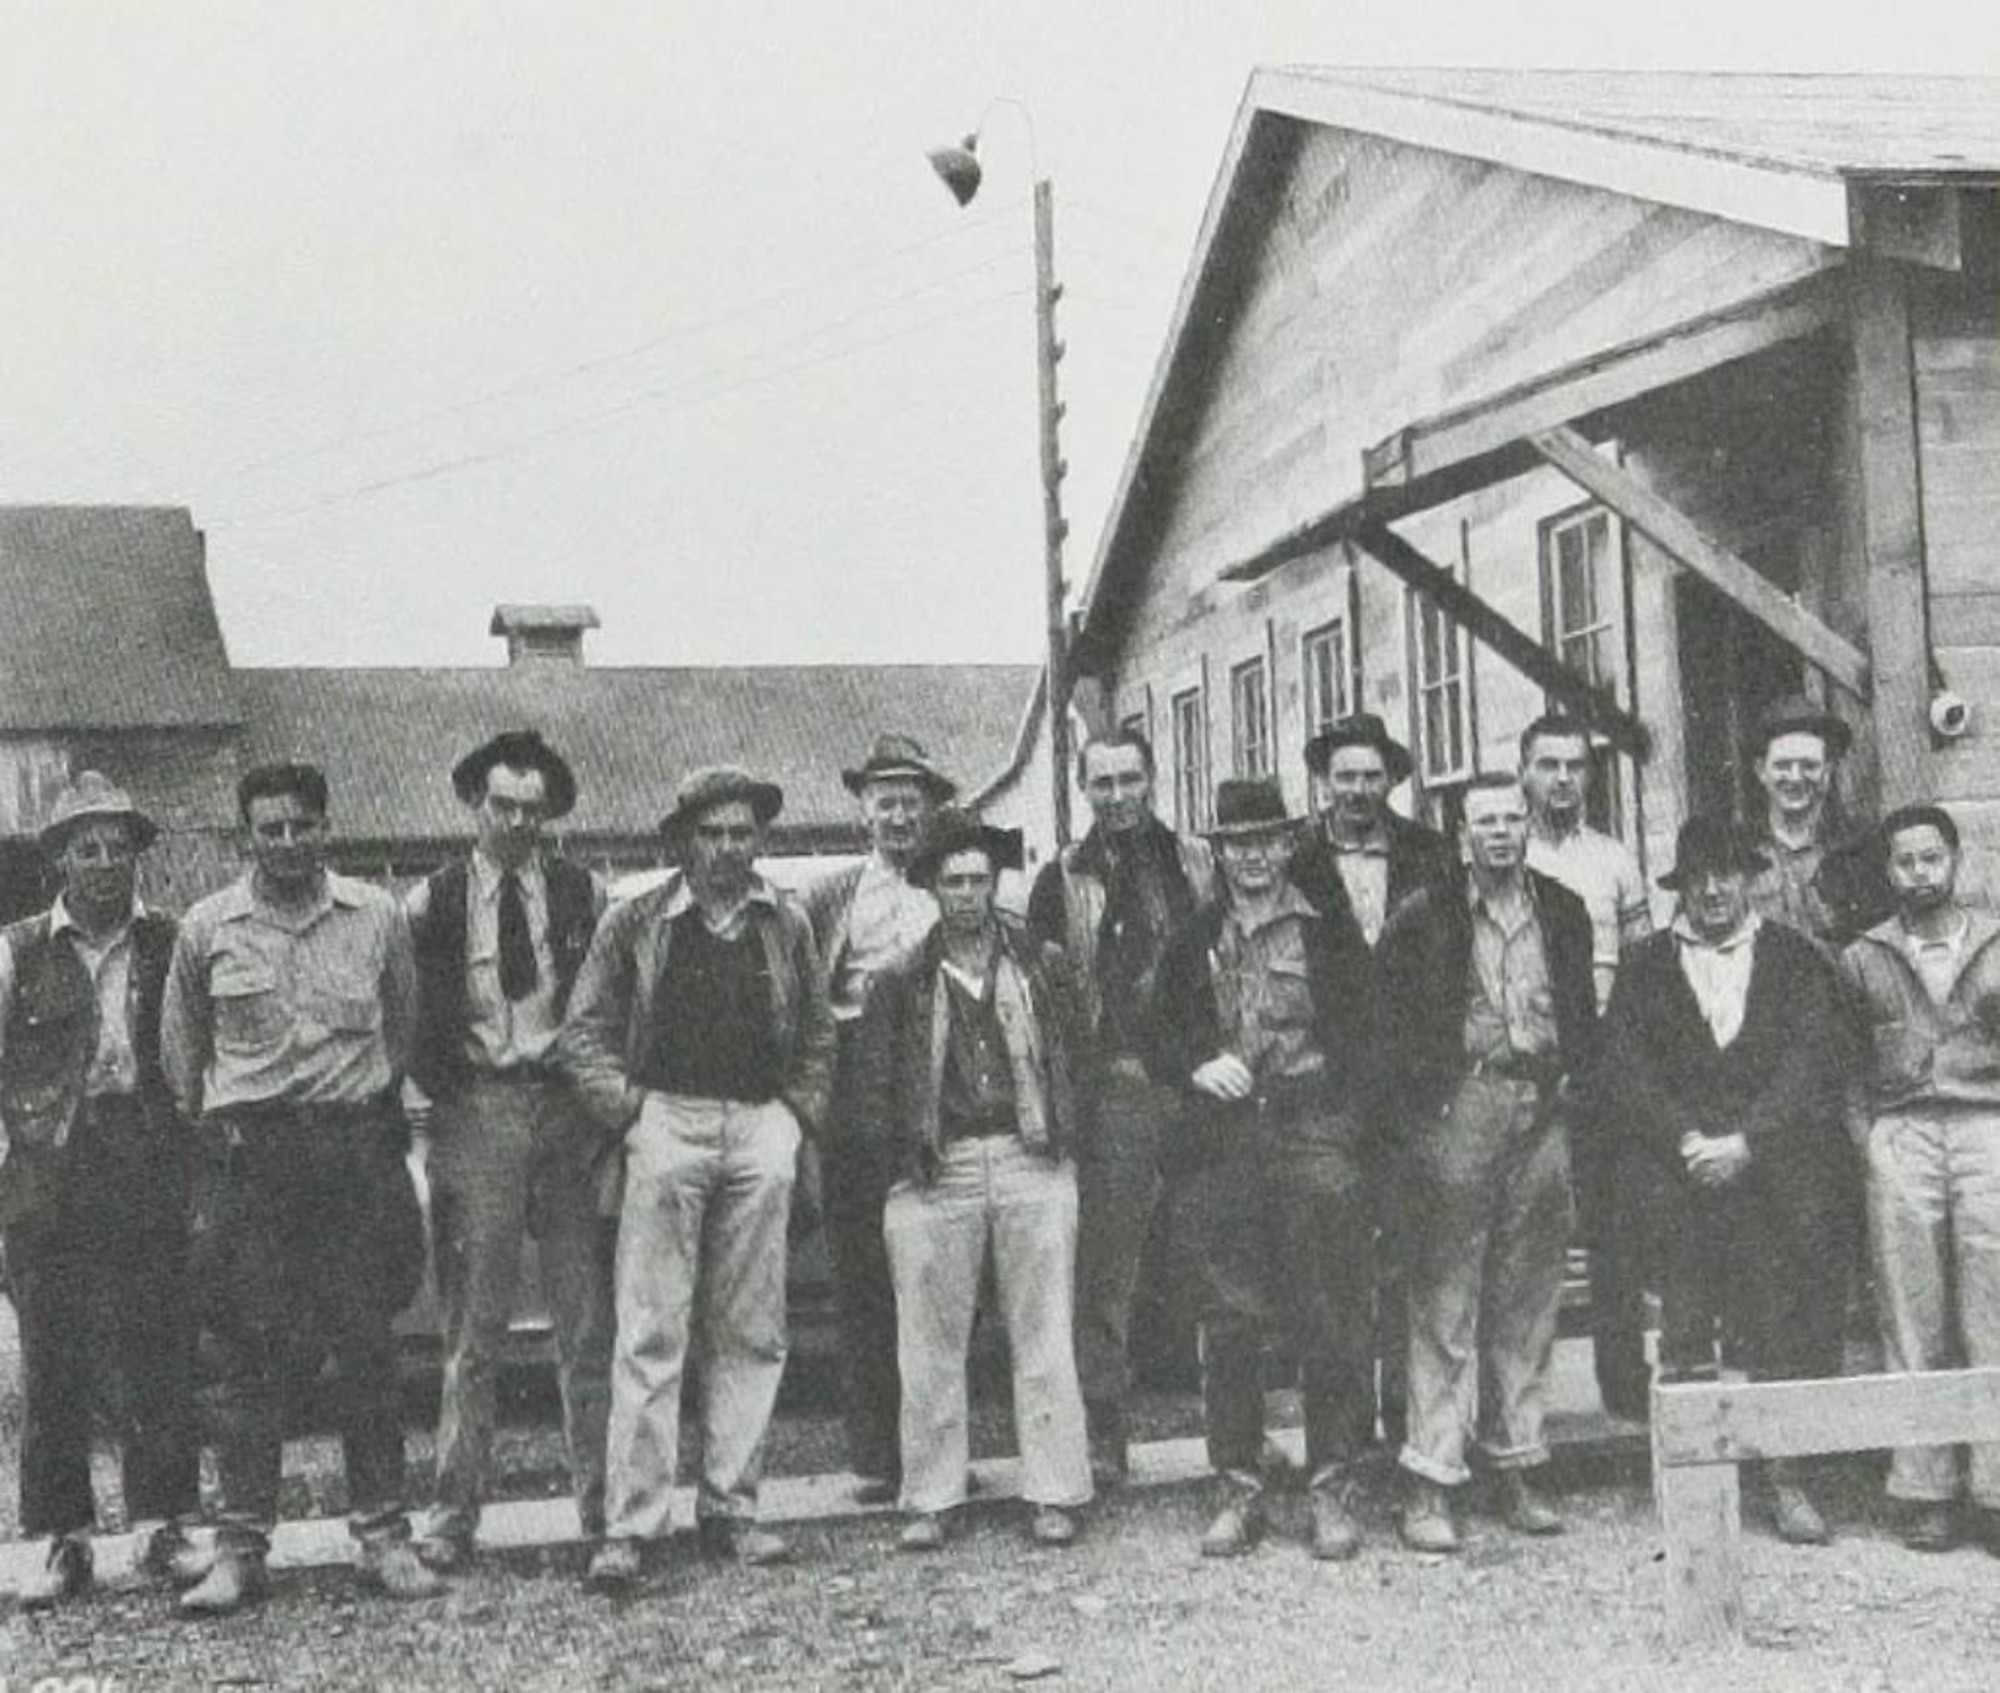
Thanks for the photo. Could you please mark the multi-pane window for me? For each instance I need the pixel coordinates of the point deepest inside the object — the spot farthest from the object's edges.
(1581, 593)
(1444, 694)
(1250, 719)
(1190, 761)
(1329, 675)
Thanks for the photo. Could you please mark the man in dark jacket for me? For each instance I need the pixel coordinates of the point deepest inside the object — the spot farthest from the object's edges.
(1111, 902)
(1261, 1020)
(93, 1190)
(1723, 1040)
(499, 937)
(1488, 1009)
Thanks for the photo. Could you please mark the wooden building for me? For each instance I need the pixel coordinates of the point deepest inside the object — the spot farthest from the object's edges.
(1656, 396)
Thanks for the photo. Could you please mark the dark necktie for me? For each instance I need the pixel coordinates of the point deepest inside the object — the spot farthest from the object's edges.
(518, 972)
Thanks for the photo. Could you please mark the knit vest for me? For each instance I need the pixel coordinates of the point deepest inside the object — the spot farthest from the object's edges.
(437, 1058)
(52, 1028)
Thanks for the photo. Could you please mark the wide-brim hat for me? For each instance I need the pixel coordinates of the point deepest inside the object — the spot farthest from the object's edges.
(1363, 729)
(1708, 844)
(952, 830)
(1247, 806)
(721, 784)
(91, 796)
(518, 749)
(899, 755)
(1797, 715)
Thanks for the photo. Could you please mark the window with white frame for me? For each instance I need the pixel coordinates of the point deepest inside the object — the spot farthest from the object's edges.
(1250, 719)
(1443, 694)
(1327, 662)
(1583, 610)
(1190, 761)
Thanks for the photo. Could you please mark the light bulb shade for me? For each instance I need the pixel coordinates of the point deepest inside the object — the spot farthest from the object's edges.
(958, 169)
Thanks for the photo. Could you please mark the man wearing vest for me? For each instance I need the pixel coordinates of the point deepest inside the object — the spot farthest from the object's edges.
(1111, 902)
(863, 917)
(499, 935)
(700, 1036)
(93, 1190)
(284, 1031)
(1926, 1117)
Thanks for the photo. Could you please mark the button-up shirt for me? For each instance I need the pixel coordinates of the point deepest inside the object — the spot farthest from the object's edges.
(1601, 871)
(1718, 974)
(1785, 893)
(886, 919)
(1510, 1009)
(114, 1067)
(1264, 990)
(1364, 873)
(306, 1007)
(977, 1089)
(1936, 961)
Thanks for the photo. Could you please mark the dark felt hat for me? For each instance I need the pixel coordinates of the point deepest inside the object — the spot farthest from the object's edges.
(1363, 729)
(721, 784)
(899, 755)
(953, 830)
(1246, 806)
(91, 796)
(1797, 715)
(1711, 843)
(518, 749)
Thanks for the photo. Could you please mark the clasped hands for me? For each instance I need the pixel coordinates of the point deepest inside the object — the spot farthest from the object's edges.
(1714, 1161)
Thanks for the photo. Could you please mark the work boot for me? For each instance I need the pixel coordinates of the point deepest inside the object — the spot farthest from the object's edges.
(924, 1532)
(1336, 1536)
(616, 1567)
(1240, 1523)
(1052, 1526)
(1427, 1524)
(1110, 1459)
(64, 1574)
(728, 1540)
(234, 1579)
(173, 1555)
(1795, 1517)
(447, 1553)
(1522, 1506)
(393, 1569)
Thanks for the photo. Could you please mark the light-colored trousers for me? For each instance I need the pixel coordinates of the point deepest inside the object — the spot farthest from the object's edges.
(509, 1159)
(990, 1191)
(1491, 1221)
(701, 1240)
(1934, 1226)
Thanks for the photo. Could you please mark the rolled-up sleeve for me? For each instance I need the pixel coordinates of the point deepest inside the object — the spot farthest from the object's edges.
(186, 1025)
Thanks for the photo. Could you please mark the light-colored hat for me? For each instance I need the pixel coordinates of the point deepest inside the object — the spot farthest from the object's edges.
(92, 795)
(899, 755)
(720, 784)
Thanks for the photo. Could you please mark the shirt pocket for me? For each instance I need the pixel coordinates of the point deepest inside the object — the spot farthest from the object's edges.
(1288, 994)
(345, 1005)
(249, 1011)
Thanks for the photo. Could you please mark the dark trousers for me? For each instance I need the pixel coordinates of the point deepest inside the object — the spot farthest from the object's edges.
(99, 1287)
(1618, 1231)
(1388, 1172)
(303, 1249)
(855, 1179)
(1276, 1249)
(1118, 1188)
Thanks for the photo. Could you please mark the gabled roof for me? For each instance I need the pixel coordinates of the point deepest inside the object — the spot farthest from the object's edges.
(388, 738)
(106, 622)
(1780, 152)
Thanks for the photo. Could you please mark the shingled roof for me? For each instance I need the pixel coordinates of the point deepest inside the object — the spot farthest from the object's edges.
(108, 622)
(388, 738)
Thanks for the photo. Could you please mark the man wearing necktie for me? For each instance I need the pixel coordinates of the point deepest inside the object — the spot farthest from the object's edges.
(499, 935)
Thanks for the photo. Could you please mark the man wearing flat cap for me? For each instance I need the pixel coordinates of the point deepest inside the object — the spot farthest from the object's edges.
(1111, 902)
(500, 935)
(93, 1190)
(862, 917)
(285, 1031)
(966, 1048)
(1262, 1020)
(1723, 1040)
(701, 1039)
(1357, 861)
(1823, 879)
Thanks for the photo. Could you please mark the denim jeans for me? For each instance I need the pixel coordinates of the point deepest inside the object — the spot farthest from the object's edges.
(1118, 1186)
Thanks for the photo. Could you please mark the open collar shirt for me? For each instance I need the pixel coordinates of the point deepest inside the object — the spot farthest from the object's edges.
(1602, 872)
(1718, 974)
(1364, 873)
(1936, 961)
(1510, 1003)
(1264, 997)
(114, 1067)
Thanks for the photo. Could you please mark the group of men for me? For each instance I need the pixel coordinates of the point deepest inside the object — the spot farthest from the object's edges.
(1365, 1067)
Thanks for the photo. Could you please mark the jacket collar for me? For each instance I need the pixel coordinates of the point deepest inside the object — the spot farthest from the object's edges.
(240, 900)
(1093, 855)
(1982, 927)
(680, 896)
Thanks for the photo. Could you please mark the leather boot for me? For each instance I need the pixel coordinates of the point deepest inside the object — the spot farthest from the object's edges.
(1240, 1523)
(64, 1574)
(1427, 1524)
(1523, 1507)
(234, 1579)
(1795, 1517)
(1336, 1536)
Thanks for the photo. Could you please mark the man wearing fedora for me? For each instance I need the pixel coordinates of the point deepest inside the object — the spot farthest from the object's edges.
(1824, 880)
(862, 917)
(499, 936)
(967, 1045)
(1262, 1019)
(1723, 1040)
(1487, 987)
(1925, 1115)
(700, 1037)
(285, 1030)
(1111, 902)
(1357, 861)
(93, 1190)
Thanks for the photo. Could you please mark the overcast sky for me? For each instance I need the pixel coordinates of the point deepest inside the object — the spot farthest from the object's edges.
(424, 306)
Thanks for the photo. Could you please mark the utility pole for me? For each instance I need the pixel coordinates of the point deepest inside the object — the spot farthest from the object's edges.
(1055, 527)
